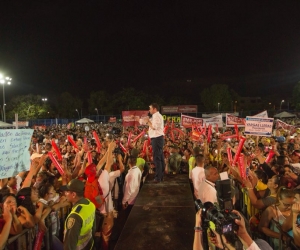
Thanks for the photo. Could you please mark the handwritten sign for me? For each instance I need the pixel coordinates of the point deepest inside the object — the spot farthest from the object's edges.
(14, 154)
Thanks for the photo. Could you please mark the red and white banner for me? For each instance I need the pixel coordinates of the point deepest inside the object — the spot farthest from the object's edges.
(112, 119)
(285, 126)
(232, 120)
(132, 117)
(39, 127)
(179, 109)
(187, 121)
(21, 123)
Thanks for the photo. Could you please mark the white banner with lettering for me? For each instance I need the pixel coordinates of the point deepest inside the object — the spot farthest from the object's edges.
(259, 126)
(14, 154)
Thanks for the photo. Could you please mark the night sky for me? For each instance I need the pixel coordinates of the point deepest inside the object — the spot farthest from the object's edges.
(48, 47)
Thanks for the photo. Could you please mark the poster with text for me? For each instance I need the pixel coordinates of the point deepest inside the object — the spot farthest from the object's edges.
(259, 126)
(14, 151)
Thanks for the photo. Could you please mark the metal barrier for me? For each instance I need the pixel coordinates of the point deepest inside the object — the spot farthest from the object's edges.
(26, 239)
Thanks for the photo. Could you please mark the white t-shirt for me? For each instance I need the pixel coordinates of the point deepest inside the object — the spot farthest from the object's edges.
(103, 181)
(198, 176)
(208, 192)
(132, 185)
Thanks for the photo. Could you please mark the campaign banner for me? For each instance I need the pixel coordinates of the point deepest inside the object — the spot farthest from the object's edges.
(21, 123)
(179, 109)
(14, 153)
(175, 119)
(188, 121)
(232, 120)
(112, 119)
(41, 127)
(259, 126)
(213, 121)
(132, 117)
(285, 126)
(262, 114)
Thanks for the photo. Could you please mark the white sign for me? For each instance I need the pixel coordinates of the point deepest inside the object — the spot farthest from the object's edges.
(213, 121)
(263, 114)
(259, 126)
(14, 154)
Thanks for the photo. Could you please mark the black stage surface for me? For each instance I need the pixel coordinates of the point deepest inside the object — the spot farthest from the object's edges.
(163, 217)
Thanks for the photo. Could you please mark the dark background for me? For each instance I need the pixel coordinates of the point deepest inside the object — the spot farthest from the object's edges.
(48, 47)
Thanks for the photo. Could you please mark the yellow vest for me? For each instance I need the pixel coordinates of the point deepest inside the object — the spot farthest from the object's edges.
(87, 214)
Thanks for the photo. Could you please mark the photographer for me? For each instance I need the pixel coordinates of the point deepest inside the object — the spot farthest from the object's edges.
(221, 242)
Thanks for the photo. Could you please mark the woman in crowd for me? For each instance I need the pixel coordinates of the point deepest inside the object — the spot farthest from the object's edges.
(9, 201)
(269, 197)
(7, 218)
(278, 212)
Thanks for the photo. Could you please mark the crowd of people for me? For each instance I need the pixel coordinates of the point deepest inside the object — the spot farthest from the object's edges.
(115, 161)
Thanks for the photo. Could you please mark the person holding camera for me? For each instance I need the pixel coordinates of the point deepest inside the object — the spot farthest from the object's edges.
(220, 241)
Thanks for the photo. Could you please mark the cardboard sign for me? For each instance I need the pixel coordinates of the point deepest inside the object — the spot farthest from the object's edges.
(14, 151)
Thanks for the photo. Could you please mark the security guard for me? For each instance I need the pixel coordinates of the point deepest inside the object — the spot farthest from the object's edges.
(80, 225)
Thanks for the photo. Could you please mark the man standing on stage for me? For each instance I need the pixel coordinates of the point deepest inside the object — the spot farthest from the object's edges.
(156, 133)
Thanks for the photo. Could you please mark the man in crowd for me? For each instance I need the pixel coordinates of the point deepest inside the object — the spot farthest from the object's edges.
(198, 175)
(156, 133)
(207, 190)
(132, 184)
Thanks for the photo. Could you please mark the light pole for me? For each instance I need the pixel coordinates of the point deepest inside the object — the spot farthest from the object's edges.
(97, 111)
(218, 107)
(3, 80)
(281, 104)
(235, 103)
(77, 113)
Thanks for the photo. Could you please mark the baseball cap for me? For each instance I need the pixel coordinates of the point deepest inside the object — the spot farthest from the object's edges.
(74, 185)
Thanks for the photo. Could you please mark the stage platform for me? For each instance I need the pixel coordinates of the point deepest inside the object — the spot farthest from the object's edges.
(162, 218)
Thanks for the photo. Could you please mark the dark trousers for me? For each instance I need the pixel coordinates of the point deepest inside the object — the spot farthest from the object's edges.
(158, 156)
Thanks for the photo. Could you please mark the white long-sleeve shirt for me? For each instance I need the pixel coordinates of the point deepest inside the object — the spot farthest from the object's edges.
(158, 125)
(132, 185)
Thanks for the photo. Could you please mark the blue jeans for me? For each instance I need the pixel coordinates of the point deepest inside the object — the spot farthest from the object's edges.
(158, 156)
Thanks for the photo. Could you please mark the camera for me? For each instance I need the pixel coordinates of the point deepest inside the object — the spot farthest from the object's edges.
(221, 215)
(119, 151)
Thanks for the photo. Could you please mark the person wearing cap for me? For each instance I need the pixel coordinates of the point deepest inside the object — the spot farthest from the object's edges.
(80, 224)
(141, 164)
(156, 133)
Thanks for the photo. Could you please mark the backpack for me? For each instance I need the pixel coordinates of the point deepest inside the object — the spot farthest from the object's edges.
(92, 190)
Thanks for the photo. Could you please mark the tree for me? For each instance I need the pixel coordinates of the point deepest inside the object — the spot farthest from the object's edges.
(67, 105)
(130, 99)
(27, 107)
(217, 93)
(100, 100)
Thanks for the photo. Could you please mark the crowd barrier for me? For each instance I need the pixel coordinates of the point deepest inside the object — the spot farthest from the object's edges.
(27, 239)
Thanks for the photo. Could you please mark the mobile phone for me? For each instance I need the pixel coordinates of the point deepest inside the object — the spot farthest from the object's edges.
(298, 220)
